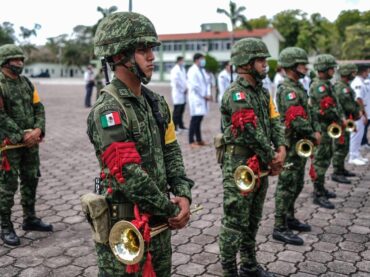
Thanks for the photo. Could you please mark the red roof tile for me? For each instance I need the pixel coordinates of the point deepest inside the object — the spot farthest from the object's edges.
(216, 35)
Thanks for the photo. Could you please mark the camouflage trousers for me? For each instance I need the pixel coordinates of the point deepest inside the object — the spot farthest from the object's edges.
(242, 215)
(24, 163)
(289, 186)
(340, 153)
(160, 249)
(322, 158)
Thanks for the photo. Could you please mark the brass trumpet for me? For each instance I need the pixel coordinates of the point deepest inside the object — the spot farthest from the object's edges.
(127, 243)
(334, 130)
(11, 146)
(304, 148)
(245, 178)
(351, 125)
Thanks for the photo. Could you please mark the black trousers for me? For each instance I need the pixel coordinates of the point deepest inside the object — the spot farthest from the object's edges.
(364, 138)
(178, 112)
(194, 129)
(89, 89)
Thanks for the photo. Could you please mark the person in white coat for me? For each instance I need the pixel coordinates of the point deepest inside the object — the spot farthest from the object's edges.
(199, 94)
(178, 91)
(223, 81)
(359, 87)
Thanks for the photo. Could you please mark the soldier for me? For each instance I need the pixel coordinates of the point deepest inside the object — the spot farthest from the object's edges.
(251, 125)
(346, 98)
(326, 110)
(131, 126)
(22, 119)
(292, 102)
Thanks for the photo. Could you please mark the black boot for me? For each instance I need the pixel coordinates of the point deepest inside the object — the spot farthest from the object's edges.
(348, 173)
(36, 224)
(8, 234)
(340, 178)
(330, 194)
(255, 271)
(295, 224)
(229, 269)
(286, 235)
(323, 201)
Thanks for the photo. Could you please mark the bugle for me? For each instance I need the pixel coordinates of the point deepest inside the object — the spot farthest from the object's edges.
(304, 148)
(334, 130)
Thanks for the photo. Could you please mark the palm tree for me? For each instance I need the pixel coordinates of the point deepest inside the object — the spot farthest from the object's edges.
(235, 16)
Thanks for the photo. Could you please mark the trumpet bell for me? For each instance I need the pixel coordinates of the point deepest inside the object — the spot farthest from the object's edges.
(126, 242)
(334, 131)
(304, 148)
(351, 126)
(245, 178)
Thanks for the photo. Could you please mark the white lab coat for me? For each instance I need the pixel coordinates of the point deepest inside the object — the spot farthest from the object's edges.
(178, 85)
(199, 87)
(224, 81)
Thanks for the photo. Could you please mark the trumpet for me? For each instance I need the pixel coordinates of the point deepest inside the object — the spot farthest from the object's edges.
(127, 243)
(245, 178)
(304, 148)
(351, 125)
(11, 146)
(334, 130)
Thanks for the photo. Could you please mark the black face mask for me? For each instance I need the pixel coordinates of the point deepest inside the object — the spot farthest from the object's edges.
(300, 74)
(16, 70)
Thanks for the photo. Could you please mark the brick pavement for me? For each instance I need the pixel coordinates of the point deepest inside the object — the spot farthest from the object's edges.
(337, 246)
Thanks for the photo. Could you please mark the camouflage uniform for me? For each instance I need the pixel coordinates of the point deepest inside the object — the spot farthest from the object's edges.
(291, 97)
(346, 97)
(320, 90)
(161, 171)
(242, 214)
(20, 109)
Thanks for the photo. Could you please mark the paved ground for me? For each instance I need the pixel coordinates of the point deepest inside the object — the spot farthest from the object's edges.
(337, 246)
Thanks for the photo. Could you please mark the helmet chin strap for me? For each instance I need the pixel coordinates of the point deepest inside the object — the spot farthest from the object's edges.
(300, 74)
(254, 73)
(134, 68)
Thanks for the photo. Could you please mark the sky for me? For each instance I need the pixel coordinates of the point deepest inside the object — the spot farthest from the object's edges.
(58, 17)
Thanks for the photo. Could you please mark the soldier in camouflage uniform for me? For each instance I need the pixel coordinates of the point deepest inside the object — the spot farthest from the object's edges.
(346, 97)
(22, 120)
(325, 109)
(292, 102)
(142, 136)
(251, 129)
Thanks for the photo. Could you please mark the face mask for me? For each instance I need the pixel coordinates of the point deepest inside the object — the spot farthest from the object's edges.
(202, 63)
(17, 70)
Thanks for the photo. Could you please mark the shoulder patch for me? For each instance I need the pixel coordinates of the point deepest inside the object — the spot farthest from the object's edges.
(110, 119)
(238, 96)
(346, 90)
(321, 88)
(291, 95)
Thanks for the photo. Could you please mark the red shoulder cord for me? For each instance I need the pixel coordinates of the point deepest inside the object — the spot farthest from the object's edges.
(254, 164)
(292, 113)
(240, 118)
(5, 165)
(141, 222)
(326, 103)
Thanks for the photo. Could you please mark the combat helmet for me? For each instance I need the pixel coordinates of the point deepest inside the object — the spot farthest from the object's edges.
(10, 51)
(347, 69)
(291, 56)
(247, 49)
(123, 31)
(324, 61)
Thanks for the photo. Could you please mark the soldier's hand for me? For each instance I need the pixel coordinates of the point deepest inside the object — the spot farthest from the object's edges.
(183, 217)
(318, 137)
(31, 138)
(276, 165)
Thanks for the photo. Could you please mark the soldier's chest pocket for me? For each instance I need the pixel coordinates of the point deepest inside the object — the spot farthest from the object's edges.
(17, 105)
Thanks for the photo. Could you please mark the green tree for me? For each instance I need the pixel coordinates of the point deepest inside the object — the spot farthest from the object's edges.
(211, 64)
(235, 15)
(288, 23)
(6, 33)
(260, 22)
(357, 42)
(345, 19)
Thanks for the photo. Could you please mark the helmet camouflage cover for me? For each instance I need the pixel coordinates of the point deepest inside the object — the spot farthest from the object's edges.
(291, 56)
(123, 31)
(10, 51)
(247, 49)
(324, 62)
(347, 69)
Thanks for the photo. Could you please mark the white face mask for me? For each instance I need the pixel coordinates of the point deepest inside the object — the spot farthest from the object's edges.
(202, 63)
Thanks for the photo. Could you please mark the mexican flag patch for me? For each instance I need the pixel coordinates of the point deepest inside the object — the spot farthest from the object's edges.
(321, 88)
(346, 90)
(238, 96)
(291, 96)
(111, 119)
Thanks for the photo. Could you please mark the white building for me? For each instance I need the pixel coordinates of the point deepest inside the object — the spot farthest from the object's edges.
(53, 70)
(215, 43)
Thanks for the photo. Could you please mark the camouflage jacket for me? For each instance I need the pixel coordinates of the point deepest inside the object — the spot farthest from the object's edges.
(162, 170)
(319, 90)
(346, 97)
(20, 108)
(268, 130)
(291, 93)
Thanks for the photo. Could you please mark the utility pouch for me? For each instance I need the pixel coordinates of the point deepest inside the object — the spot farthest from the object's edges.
(96, 210)
(220, 146)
